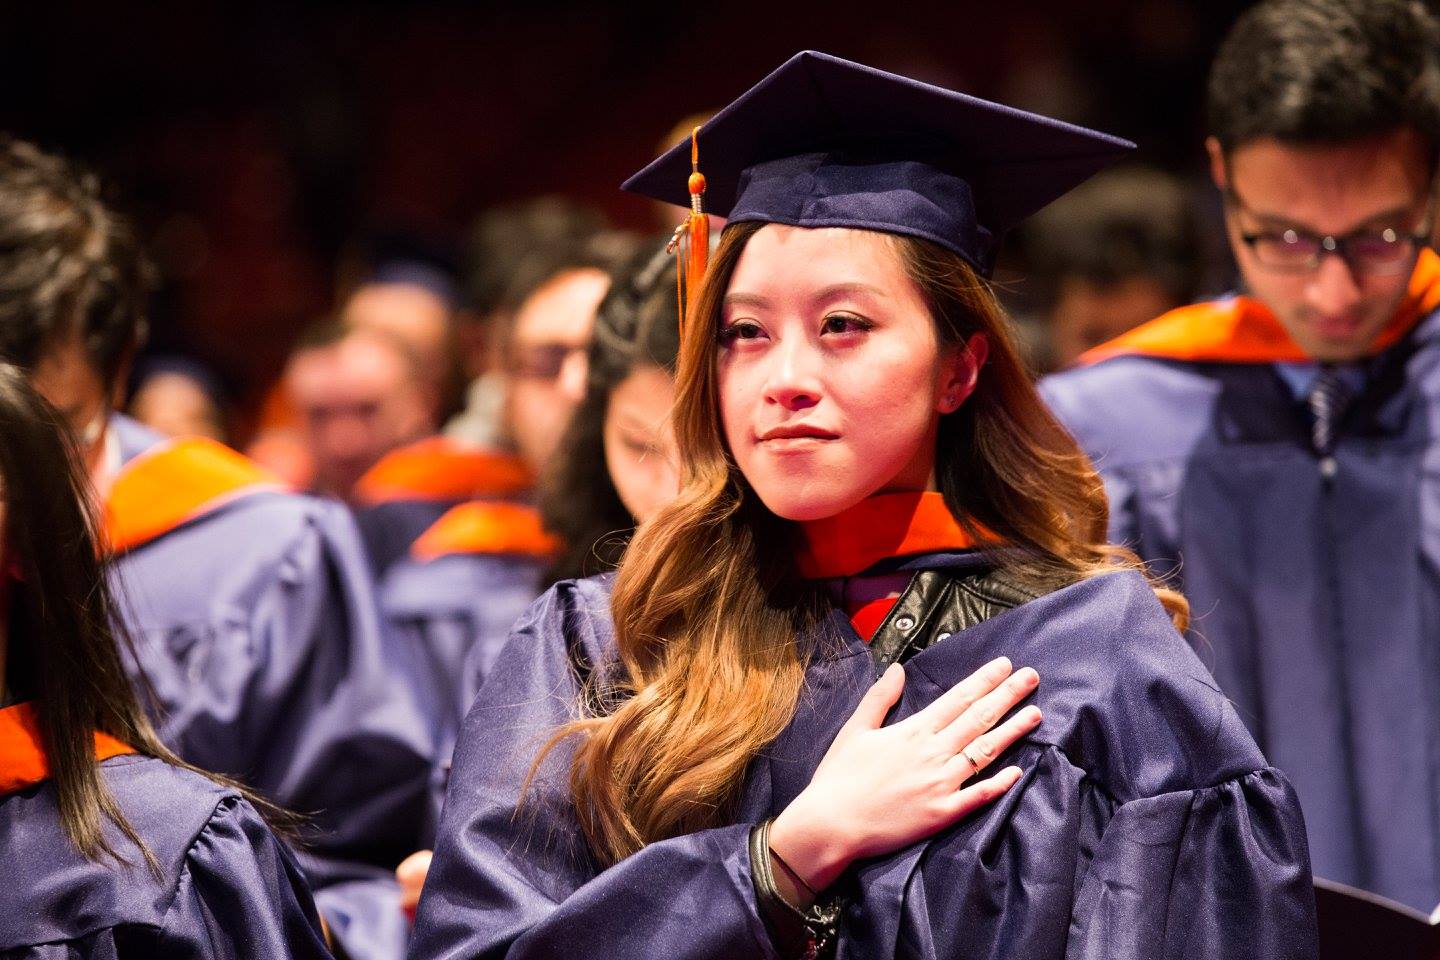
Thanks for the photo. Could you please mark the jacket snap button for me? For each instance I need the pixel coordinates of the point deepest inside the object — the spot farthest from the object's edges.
(904, 623)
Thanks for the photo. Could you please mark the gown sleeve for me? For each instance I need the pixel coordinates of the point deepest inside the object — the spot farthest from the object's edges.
(308, 702)
(1146, 825)
(513, 878)
(1120, 492)
(1058, 870)
(344, 740)
(347, 744)
(1215, 873)
(241, 895)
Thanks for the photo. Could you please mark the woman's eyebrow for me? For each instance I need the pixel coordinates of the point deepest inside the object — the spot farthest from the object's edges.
(833, 291)
(836, 291)
(634, 419)
(745, 300)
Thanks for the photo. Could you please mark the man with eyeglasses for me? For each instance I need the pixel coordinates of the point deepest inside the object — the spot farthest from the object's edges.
(1278, 451)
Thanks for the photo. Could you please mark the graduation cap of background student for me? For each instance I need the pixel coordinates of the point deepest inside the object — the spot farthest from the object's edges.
(824, 142)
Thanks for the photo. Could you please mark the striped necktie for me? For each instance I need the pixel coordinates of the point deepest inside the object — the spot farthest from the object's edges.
(1328, 398)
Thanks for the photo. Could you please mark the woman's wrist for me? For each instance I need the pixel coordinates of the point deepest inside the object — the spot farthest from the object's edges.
(808, 853)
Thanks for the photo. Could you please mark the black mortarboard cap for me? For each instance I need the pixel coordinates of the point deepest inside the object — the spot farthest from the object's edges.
(824, 142)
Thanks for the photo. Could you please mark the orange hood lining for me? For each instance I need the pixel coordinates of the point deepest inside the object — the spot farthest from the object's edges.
(439, 469)
(23, 761)
(486, 527)
(173, 483)
(1242, 330)
(878, 528)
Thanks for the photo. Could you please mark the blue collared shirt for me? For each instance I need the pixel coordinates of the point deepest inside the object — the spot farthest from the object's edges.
(1300, 376)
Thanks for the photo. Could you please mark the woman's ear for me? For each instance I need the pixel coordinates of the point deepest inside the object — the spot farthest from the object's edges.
(962, 370)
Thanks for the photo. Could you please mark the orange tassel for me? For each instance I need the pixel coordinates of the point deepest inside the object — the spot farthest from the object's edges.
(691, 243)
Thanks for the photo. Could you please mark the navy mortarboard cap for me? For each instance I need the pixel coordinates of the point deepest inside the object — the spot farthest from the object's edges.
(824, 142)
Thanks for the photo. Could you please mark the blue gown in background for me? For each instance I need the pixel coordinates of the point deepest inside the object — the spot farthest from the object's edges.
(1314, 581)
(1146, 824)
(227, 888)
(257, 625)
(411, 488)
(453, 602)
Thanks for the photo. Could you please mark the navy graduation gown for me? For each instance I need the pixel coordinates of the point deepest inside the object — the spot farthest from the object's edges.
(1313, 582)
(227, 887)
(411, 488)
(388, 529)
(257, 625)
(455, 612)
(1147, 824)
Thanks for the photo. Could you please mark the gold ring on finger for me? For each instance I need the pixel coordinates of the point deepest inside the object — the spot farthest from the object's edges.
(974, 766)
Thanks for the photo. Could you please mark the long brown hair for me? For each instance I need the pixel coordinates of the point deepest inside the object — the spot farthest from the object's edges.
(707, 609)
(64, 640)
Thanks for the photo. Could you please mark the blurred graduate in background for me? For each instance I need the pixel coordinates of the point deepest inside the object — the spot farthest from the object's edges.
(252, 608)
(118, 848)
(1273, 450)
(540, 337)
(459, 594)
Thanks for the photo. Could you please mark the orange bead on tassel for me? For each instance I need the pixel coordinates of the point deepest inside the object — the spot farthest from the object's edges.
(691, 242)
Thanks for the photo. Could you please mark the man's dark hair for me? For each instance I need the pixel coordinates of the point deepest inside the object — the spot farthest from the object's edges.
(1125, 223)
(68, 264)
(1327, 71)
(510, 244)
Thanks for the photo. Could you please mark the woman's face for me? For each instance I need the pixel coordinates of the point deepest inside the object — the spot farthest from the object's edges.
(640, 441)
(831, 376)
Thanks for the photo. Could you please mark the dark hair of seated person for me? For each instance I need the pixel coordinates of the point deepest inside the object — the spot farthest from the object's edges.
(637, 325)
(64, 646)
(1327, 71)
(54, 222)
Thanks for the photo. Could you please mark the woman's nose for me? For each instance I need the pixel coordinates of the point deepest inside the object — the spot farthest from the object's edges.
(573, 371)
(794, 381)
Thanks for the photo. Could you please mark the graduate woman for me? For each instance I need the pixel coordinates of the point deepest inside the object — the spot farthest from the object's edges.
(615, 467)
(786, 726)
(112, 847)
(458, 593)
(618, 463)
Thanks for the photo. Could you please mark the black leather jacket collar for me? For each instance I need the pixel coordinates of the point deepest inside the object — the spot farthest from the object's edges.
(938, 603)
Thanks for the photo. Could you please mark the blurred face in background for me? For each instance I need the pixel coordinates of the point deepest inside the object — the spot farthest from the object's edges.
(416, 316)
(1087, 314)
(177, 406)
(545, 362)
(68, 379)
(357, 400)
(640, 450)
(1373, 192)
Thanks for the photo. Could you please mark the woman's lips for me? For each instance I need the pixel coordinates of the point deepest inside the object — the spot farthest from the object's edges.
(795, 436)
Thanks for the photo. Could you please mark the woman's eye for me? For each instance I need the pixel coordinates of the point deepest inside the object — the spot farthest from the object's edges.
(844, 323)
(741, 330)
(640, 448)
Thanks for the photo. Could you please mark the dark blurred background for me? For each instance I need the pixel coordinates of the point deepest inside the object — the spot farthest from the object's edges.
(261, 147)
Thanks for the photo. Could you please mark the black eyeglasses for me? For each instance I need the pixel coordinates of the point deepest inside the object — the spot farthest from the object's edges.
(542, 361)
(1377, 252)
